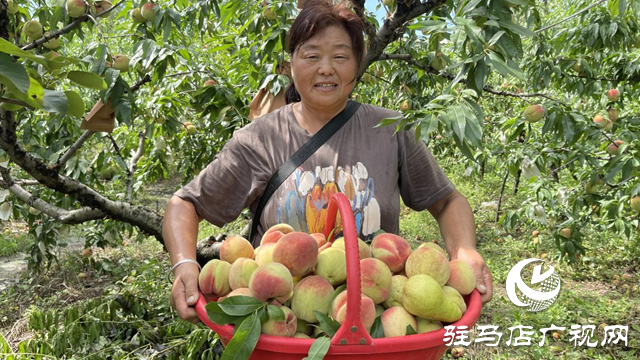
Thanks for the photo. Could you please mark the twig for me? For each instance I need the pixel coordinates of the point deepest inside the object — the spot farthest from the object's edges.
(66, 29)
(134, 163)
(554, 171)
(86, 135)
(16, 102)
(117, 150)
(504, 184)
(187, 73)
(572, 16)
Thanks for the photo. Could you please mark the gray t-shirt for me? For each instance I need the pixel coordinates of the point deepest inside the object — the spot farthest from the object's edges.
(373, 167)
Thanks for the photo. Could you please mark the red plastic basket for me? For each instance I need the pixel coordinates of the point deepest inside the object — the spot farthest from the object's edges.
(351, 341)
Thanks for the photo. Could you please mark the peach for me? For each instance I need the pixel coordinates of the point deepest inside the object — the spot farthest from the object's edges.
(600, 121)
(395, 294)
(461, 276)
(285, 328)
(433, 246)
(395, 321)
(235, 247)
(455, 296)
(271, 282)
(364, 249)
(324, 247)
(265, 255)
(214, 278)
(332, 266)
(425, 325)
(613, 95)
(375, 278)
(240, 272)
(534, 113)
(422, 296)
(237, 292)
(274, 233)
(428, 261)
(76, 8)
(320, 238)
(298, 251)
(147, 12)
(367, 309)
(312, 293)
(392, 249)
(612, 149)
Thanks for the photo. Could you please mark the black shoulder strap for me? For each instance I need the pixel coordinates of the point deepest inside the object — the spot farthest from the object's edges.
(299, 157)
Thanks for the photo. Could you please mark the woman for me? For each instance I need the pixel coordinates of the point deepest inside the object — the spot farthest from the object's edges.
(372, 166)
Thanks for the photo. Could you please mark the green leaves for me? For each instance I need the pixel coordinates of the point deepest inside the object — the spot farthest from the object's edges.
(319, 349)
(241, 305)
(13, 73)
(87, 79)
(328, 325)
(244, 340)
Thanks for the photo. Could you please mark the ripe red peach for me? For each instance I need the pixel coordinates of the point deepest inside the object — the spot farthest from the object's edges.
(313, 293)
(214, 278)
(240, 272)
(375, 279)
(395, 321)
(367, 309)
(281, 328)
(235, 247)
(272, 283)
(392, 249)
(298, 251)
(320, 238)
(274, 233)
(461, 276)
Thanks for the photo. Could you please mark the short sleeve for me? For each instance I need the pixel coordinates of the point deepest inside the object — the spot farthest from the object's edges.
(230, 183)
(422, 182)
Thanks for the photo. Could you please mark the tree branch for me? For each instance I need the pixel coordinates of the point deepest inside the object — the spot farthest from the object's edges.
(134, 164)
(388, 33)
(369, 28)
(141, 217)
(571, 17)
(67, 28)
(16, 102)
(62, 215)
(77, 145)
(116, 148)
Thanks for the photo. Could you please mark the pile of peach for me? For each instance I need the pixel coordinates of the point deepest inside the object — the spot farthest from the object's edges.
(300, 272)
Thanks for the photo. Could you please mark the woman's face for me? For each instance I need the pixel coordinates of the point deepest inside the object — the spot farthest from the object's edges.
(323, 69)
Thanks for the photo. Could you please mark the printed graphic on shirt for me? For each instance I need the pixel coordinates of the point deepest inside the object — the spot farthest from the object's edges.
(303, 198)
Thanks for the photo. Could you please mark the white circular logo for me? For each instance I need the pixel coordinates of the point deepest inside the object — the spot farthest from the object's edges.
(540, 298)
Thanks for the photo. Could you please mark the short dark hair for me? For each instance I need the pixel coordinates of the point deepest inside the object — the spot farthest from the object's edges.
(316, 16)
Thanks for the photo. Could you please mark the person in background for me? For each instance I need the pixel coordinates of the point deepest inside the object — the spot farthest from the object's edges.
(373, 167)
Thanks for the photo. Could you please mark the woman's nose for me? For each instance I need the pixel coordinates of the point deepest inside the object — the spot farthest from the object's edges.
(326, 67)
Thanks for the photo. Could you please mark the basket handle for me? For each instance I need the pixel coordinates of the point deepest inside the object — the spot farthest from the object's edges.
(352, 332)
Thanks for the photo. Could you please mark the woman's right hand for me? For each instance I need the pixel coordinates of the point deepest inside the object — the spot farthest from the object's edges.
(184, 293)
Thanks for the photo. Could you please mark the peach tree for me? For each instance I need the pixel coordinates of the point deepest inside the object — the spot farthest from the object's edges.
(99, 99)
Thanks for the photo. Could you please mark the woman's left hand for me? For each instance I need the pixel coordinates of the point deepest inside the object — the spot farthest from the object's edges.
(484, 281)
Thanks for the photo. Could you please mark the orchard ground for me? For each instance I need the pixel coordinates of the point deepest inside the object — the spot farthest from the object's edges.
(119, 308)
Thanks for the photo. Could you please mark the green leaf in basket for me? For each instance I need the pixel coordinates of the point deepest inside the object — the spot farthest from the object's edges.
(377, 331)
(275, 313)
(327, 324)
(240, 305)
(87, 79)
(218, 316)
(244, 340)
(411, 330)
(319, 348)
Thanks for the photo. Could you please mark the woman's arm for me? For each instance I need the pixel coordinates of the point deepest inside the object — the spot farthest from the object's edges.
(458, 229)
(180, 233)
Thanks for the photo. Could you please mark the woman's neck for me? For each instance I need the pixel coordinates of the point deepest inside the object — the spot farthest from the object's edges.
(312, 119)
